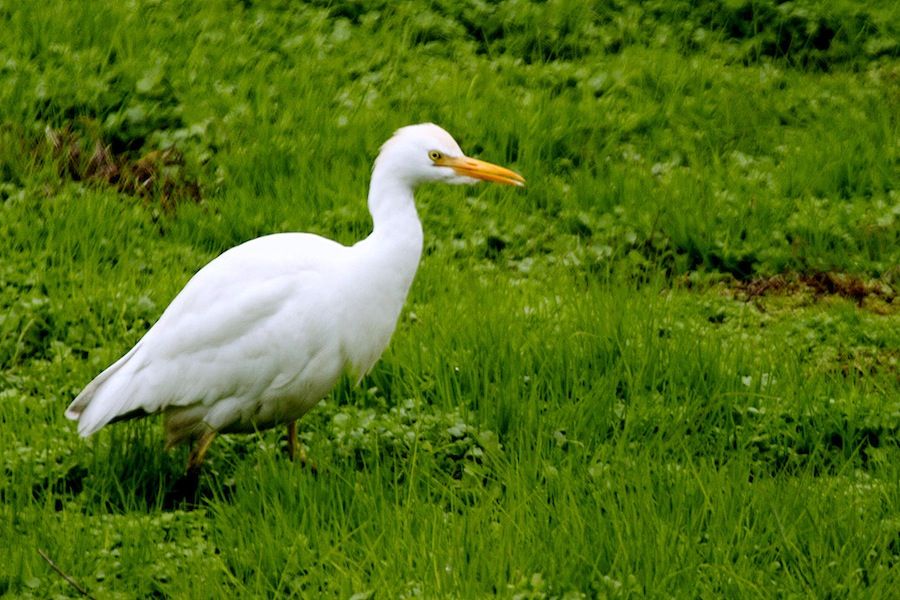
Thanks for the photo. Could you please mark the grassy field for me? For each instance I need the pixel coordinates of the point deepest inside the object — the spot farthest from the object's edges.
(667, 368)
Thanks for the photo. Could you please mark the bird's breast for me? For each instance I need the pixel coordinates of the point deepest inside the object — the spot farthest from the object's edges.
(374, 290)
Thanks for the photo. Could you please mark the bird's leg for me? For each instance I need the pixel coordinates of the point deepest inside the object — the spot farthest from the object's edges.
(199, 452)
(293, 444)
(185, 488)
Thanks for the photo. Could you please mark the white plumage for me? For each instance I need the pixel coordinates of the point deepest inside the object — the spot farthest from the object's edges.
(266, 329)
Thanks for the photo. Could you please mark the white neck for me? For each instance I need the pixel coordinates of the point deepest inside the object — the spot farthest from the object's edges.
(393, 249)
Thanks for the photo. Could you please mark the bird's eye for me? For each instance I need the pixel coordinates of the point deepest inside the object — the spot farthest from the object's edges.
(435, 155)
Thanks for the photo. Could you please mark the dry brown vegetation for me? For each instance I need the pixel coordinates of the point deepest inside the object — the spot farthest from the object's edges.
(873, 294)
(160, 175)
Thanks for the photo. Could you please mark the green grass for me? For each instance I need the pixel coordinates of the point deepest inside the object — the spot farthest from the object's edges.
(622, 381)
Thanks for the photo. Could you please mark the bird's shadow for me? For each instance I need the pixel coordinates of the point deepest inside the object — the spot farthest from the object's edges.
(131, 471)
(191, 490)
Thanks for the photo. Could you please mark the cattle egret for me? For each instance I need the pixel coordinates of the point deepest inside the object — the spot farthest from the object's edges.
(264, 331)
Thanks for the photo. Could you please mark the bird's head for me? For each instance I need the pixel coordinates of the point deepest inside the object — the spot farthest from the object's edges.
(425, 152)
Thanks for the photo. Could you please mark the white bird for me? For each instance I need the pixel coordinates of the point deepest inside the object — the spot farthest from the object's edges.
(260, 334)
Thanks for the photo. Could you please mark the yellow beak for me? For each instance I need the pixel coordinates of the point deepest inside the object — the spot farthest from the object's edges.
(479, 169)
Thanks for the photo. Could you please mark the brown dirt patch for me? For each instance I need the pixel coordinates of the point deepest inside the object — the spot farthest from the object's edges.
(874, 294)
(157, 174)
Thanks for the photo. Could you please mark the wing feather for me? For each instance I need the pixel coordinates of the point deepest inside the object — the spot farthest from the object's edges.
(249, 315)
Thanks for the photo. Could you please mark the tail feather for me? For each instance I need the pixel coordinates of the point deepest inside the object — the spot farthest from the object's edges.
(90, 415)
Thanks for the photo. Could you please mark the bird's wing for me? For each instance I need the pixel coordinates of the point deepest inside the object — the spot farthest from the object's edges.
(227, 335)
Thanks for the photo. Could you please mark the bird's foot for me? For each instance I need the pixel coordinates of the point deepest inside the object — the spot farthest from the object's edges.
(305, 461)
(297, 451)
